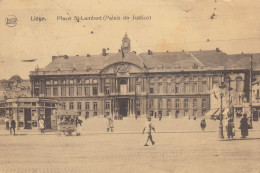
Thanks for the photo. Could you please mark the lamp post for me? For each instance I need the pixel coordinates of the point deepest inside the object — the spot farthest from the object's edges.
(222, 86)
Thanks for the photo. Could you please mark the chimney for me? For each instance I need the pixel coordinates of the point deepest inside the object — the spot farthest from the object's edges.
(54, 57)
(88, 55)
(242, 53)
(218, 50)
(66, 57)
(119, 50)
(77, 55)
(104, 53)
(149, 52)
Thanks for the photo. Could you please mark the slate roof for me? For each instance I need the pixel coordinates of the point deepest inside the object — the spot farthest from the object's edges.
(171, 60)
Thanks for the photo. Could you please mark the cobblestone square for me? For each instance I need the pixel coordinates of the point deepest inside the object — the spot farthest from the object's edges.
(173, 152)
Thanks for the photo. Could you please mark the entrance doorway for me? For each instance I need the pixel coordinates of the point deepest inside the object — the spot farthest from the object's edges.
(47, 122)
(27, 118)
(123, 107)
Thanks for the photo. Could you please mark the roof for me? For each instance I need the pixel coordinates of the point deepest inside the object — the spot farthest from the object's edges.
(93, 62)
(158, 60)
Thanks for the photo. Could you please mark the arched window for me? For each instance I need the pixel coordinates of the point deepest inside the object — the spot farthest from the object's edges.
(186, 103)
(239, 84)
(123, 86)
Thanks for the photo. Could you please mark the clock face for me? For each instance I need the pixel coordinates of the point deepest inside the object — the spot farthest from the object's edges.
(125, 44)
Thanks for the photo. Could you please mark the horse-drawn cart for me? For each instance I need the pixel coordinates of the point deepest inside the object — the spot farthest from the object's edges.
(66, 121)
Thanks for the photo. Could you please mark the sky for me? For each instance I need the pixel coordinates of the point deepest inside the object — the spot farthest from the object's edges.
(175, 25)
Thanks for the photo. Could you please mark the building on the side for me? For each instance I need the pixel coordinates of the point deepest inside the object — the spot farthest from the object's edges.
(26, 111)
(177, 84)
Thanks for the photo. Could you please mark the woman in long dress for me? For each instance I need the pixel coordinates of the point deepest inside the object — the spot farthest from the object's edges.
(41, 125)
(78, 126)
(244, 126)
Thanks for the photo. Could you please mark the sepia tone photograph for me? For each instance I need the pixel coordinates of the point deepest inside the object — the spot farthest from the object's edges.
(117, 86)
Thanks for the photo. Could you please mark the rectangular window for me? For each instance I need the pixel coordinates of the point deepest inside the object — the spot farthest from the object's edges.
(47, 82)
(169, 103)
(87, 91)
(95, 114)
(71, 91)
(151, 89)
(95, 90)
(55, 91)
(186, 103)
(165, 88)
(257, 94)
(107, 105)
(204, 86)
(71, 105)
(36, 91)
(55, 82)
(63, 105)
(195, 103)
(186, 87)
(107, 90)
(63, 91)
(87, 81)
(160, 90)
(204, 104)
(95, 105)
(94, 81)
(177, 103)
(79, 91)
(177, 88)
(79, 105)
(48, 91)
(195, 88)
(87, 105)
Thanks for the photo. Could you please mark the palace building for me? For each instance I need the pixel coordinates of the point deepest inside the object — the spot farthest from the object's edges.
(177, 84)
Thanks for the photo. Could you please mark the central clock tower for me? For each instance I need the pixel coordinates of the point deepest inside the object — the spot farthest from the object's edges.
(126, 44)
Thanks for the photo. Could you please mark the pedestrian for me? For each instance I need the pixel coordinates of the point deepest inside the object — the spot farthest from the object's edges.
(13, 124)
(149, 127)
(135, 116)
(160, 116)
(78, 125)
(244, 126)
(110, 124)
(230, 132)
(225, 124)
(203, 124)
(6, 123)
(41, 125)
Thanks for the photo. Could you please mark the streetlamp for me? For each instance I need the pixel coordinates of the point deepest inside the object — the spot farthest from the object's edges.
(222, 86)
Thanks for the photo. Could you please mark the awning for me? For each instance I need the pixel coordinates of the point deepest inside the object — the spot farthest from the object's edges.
(211, 112)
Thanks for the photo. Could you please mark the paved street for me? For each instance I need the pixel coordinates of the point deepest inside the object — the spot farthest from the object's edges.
(173, 152)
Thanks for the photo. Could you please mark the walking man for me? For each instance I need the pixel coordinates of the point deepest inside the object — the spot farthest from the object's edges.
(13, 124)
(149, 127)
